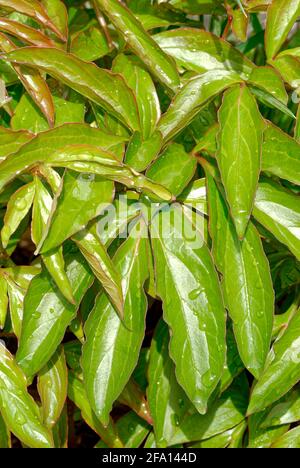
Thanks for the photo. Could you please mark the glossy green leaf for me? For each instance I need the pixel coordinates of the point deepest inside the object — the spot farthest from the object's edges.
(201, 51)
(11, 141)
(42, 146)
(77, 394)
(191, 99)
(224, 440)
(101, 264)
(287, 410)
(57, 12)
(289, 440)
(25, 33)
(90, 44)
(132, 430)
(223, 414)
(5, 441)
(52, 388)
(140, 153)
(17, 208)
(188, 284)
(281, 16)
(81, 198)
(261, 437)
(53, 260)
(167, 400)
(174, 168)
(18, 409)
(3, 300)
(141, 43)
(278, 211)
(281, 154)
(239, 152)
(139, 80)
(247, 286)
(43, 329)
(194, 195)
(282, 371)
(106, 363)
(270, 81)
(34, 9)
(99, 85)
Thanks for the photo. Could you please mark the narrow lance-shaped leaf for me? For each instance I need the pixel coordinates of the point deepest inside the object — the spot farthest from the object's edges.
(33, 82)
(106, 363)
(81, 198)
(247, 283)
(17, 208)
(53, 260)
(142, 44)
(281, 154)
(3, 300)
(100, 86)
(77, 393)
(34, 9)
(202, 51)
(193, 306)
(239, 152)
(18, 409)
(52, 387)
(44, 329)
(192, 97)
(167, 400)
(12, 141)
(101, 264)
(25, 33)
(282, 371)
(289, 440)
(278, 210)
(280, 18)
(58, 14)
(43, 145)
(139, 80)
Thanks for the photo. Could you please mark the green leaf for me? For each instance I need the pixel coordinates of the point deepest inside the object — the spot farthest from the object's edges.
(278, 210)
(90, 44)
(54, 260)
(281, 16)
(282, 370)
(247, 285)
(167, 400)
(173, 169)
(3, 300)
(281, 154)
(223, 414)
(105, 358)
(17, 208)
(287, 410)
(269, 80)
(239, 152)
(193, 307)
(260, 437)
(289, 440)
(57, 12)
(139, 80)
(76, 392)
(194, 195)
(101, 264)
(52, 387)
(132, 430)
(5, 441)
(201, 51)
(141, 43)
(25, 33)
(18, 409)
(44, 329)
(227, 438)
(140, 153)
(34, 9)
(99, 85)
(81, 198)
(11, 141)
(42, 146)
(191, 99)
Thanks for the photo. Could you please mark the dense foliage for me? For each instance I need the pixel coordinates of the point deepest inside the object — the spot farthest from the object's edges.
(150, 223)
